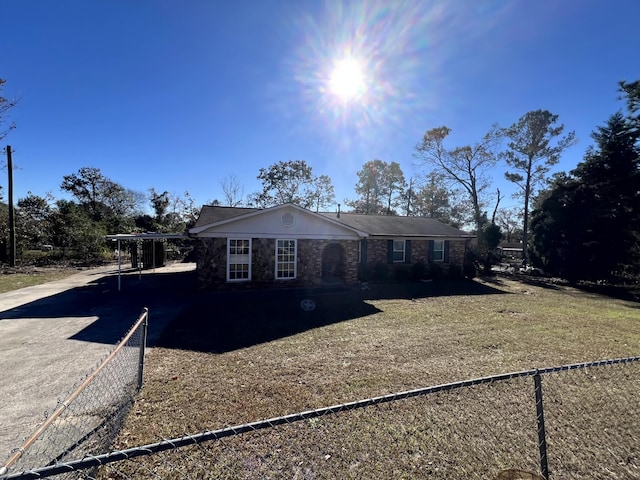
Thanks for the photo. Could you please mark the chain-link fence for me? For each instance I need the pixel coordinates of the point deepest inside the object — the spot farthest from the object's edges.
(569, 422)
(90, 417)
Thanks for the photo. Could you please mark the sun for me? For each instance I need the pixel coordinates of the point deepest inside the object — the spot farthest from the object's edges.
(347, 79)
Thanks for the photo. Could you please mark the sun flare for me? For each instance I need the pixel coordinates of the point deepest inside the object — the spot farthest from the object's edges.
(347, 79)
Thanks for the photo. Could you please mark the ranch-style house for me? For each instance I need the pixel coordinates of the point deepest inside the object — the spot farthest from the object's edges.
(290, 245)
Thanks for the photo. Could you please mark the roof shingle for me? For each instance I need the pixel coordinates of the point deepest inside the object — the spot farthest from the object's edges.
(393, 225)
(376, 225)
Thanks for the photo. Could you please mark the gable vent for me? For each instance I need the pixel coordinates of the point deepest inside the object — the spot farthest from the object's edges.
(287, 219)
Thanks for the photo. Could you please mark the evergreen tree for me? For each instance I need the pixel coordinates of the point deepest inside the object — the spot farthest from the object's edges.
(381, 189)
(535, 145)
(588, 227)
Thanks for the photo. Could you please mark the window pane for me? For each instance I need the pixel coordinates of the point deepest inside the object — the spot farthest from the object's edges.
(398, 250)
(239, 257)
(438, 250)
(285, 259)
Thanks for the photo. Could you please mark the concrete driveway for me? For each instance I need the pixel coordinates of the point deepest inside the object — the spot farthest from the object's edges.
(53, 335)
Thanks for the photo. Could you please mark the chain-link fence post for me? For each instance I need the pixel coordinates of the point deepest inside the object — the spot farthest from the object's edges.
(542, 438)
(143, 346)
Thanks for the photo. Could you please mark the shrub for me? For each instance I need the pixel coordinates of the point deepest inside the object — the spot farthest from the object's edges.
(435, 271)
(381, 272)
(364, 272)
(419, 271)
(402, 273)
(455, 271)
(469, 270)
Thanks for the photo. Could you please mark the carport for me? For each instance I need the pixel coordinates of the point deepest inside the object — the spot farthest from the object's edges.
(141, 237)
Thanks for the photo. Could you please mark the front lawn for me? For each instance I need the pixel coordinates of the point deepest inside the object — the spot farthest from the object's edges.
(236, 358)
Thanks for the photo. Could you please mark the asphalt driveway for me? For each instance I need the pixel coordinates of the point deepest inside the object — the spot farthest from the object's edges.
(53, 335)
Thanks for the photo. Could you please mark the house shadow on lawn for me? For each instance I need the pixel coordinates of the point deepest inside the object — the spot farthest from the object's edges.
(241, 319)
(225, 321)
(437, 288)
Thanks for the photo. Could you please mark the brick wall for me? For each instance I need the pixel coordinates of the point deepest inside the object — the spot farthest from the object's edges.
(377, 253)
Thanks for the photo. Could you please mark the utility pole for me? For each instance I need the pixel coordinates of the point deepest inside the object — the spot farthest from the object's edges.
(12, 222)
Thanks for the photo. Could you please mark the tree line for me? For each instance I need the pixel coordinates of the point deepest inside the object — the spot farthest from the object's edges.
(568, 222)
(586, 224)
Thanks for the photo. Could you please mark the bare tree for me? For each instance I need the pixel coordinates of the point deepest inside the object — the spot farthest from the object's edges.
(5, 105)
(465, 167)
(510, 221)
(232, 191)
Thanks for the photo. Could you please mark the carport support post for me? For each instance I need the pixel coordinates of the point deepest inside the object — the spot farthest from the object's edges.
(119, 264)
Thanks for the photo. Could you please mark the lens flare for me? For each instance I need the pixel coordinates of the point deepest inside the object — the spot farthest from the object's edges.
(347, 79)
(364, 73)
(356, 65)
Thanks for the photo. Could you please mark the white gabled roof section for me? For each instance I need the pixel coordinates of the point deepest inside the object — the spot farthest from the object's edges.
(281, 221)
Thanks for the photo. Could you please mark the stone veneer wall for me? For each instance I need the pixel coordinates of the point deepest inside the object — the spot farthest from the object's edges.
(263, 260)
(310, 260)
(212, 260)
(212, 263)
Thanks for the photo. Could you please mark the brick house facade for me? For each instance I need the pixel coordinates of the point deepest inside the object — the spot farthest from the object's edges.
(290, 246)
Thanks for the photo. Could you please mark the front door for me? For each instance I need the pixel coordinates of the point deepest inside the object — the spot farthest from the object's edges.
(333, 263)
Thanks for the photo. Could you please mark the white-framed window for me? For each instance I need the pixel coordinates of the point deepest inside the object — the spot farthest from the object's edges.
(398, 250)
(438, 250)
(238, 259)
(286, 254)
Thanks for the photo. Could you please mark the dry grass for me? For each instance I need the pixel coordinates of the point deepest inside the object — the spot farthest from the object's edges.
(243, 357)
(14, 279)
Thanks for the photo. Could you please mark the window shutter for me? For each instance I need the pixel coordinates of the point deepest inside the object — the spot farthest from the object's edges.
(363, 251)
(430, 251)
(446, 250)
(389, 251)
(407, 251)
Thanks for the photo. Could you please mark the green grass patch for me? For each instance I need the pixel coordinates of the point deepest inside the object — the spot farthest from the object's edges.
(15, 281)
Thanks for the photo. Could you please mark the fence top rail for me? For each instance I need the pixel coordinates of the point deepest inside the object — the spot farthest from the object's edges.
(597, 363)
(169, 444)
(63, 406)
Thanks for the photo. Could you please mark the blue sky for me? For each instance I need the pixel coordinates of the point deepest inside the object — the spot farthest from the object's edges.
(178, 95)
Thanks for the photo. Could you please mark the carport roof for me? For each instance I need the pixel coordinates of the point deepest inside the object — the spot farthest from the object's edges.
(145, 236)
